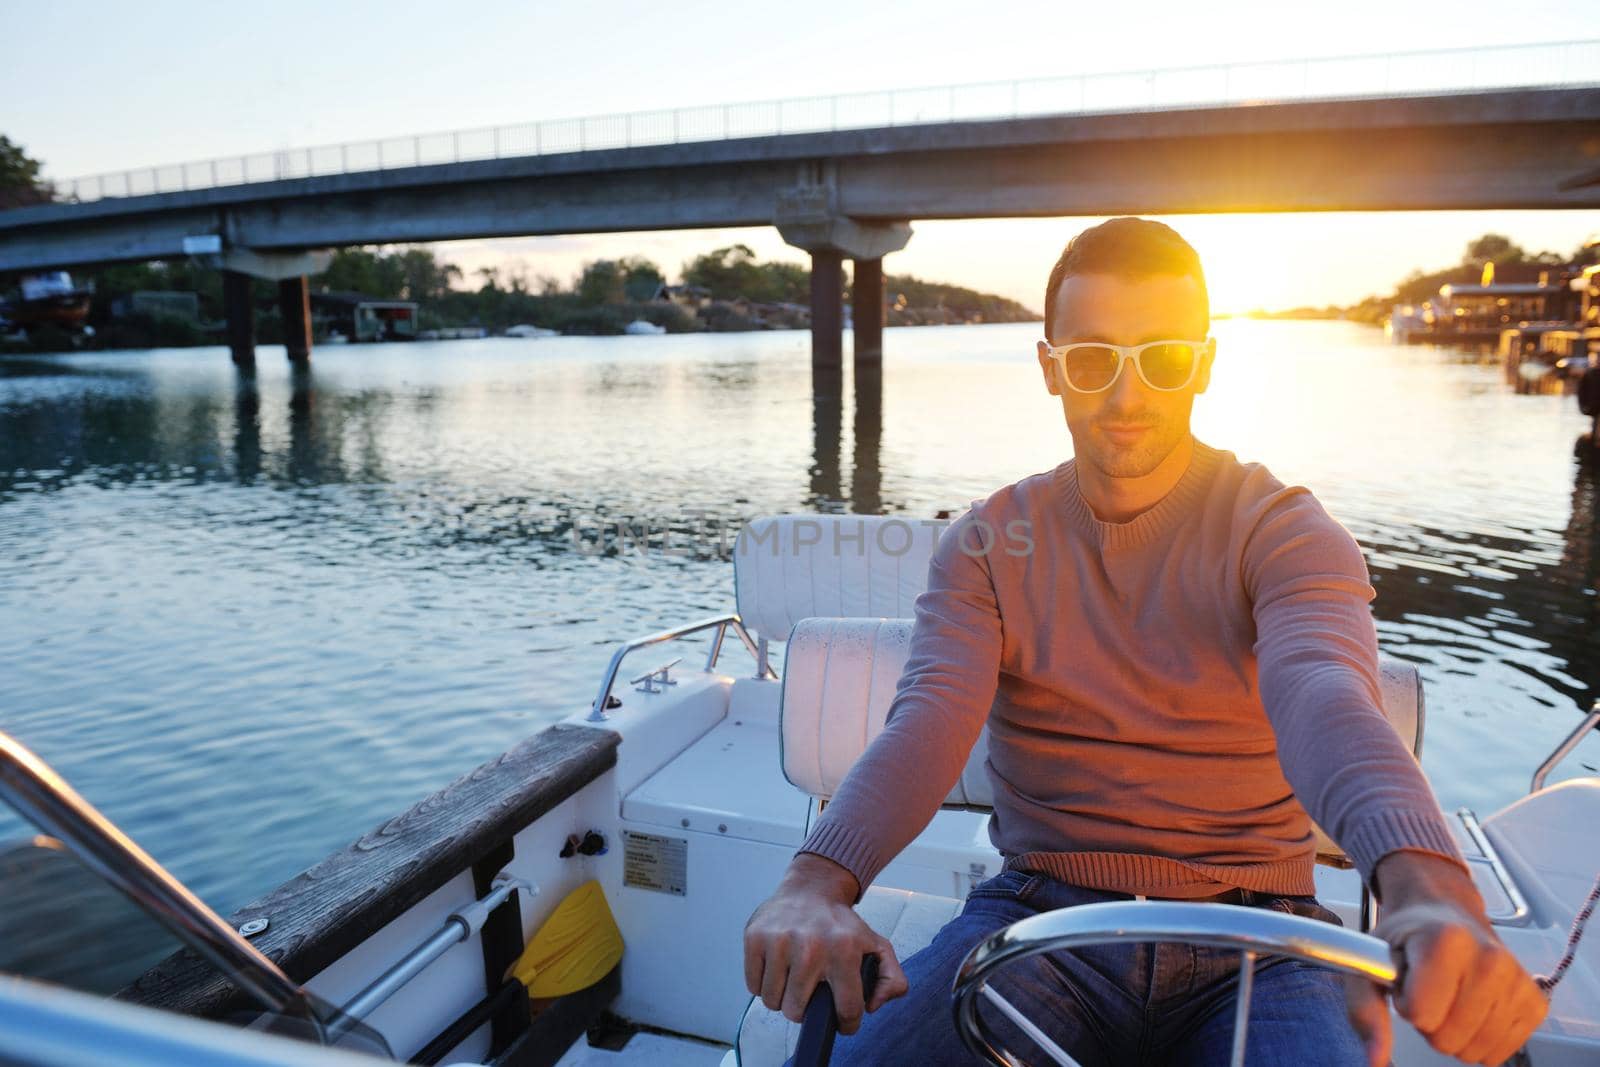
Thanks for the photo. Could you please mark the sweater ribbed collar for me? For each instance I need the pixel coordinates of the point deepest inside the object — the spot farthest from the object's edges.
(1170, 510)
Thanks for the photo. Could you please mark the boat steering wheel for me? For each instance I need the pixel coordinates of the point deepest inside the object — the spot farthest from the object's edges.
(1252, 931)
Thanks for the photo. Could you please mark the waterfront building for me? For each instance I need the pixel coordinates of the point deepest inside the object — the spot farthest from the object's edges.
(1470, 308)
(367, 318)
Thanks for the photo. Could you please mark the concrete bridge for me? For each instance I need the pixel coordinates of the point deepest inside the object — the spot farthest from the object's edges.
(849, 192)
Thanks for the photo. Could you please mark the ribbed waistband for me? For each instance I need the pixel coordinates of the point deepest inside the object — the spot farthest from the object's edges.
(1135, 874)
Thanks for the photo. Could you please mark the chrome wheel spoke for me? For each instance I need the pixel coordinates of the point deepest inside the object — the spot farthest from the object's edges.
(1241, 1009)
(1026, 1025)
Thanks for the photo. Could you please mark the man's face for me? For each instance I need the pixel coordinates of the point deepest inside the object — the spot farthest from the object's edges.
(1127, 430)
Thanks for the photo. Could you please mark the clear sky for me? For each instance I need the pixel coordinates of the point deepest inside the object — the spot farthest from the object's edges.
(99, 86)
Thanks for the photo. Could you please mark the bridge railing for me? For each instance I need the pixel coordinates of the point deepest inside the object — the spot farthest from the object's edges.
(1396, 74)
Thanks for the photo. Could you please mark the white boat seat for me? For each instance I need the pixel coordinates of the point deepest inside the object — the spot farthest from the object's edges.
(840, 676)
(790, 567)
(908, 920)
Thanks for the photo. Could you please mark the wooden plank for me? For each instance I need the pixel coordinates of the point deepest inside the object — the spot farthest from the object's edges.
(321, 914)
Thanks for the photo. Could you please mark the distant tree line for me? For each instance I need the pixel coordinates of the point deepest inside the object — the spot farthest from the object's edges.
(737, 292)
(603, 298)
(733, 272)
(914, 302)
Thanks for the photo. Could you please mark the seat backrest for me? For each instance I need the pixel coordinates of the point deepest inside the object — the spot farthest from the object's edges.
(791, 567)
(840, 677)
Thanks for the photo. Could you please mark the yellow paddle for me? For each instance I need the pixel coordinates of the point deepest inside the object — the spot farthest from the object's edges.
(576, 947)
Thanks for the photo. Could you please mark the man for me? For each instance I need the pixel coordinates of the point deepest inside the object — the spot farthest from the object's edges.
(1181, 668)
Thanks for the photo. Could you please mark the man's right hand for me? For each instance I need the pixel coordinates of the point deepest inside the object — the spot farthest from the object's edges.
(806, 933)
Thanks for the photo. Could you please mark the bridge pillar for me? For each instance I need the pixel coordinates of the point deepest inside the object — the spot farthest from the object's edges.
(808, 218)
(239, 307)
(866, 309)
(294, 301)
(239, 266)
(827, 308)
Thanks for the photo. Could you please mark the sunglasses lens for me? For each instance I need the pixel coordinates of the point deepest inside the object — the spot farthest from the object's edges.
(1090, 367)
(1168, 366)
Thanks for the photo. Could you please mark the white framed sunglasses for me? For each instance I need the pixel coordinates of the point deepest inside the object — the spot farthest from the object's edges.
(1165, 366)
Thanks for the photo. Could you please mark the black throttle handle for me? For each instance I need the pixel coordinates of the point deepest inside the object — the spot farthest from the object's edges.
(821, 1022)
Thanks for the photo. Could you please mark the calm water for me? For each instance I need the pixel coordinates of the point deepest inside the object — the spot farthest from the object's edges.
(251, 623)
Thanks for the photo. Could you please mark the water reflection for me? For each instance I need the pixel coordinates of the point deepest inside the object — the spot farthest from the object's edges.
(122, 427)
(827, 423)
(1581, 557)
(827, 491)
(306, 459)
(247, 429)
(1580, 565)
(1479, 602)
(866, 480)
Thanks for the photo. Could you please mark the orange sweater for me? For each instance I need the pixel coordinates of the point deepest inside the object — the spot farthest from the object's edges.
(1167, 698)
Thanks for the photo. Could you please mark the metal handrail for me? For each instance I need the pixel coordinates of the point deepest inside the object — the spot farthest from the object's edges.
(720, 623)
(1565, 748)
(1520, 913)
(461, 925)
(1173, 87)
(38, 793)
(1252, 931)
(41, 795)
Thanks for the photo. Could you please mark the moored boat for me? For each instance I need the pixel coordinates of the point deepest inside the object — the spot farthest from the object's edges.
(50, 298)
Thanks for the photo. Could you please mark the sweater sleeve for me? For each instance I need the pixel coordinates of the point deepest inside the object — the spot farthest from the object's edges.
(940, 706)
(1317, 660)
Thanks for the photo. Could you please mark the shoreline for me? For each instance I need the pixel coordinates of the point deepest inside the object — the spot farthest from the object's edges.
(24, 348)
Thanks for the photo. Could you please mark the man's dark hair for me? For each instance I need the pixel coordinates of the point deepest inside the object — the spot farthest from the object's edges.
(1124, 247)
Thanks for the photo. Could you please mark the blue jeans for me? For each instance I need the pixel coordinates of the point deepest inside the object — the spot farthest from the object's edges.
(1114, 1005)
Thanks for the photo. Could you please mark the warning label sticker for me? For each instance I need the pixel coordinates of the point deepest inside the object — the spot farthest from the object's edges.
(658, 863)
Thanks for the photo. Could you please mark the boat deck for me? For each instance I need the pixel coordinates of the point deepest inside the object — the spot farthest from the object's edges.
(647, 1050)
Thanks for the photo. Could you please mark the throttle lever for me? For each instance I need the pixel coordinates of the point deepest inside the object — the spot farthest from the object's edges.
(820, 1025)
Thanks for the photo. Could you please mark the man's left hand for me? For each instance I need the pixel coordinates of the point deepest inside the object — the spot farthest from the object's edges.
(1459, 986)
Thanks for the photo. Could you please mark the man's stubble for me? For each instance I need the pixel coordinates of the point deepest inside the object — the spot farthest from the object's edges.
(1138, 460)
